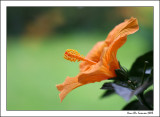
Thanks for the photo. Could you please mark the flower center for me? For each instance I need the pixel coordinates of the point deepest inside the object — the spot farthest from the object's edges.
(73, 55)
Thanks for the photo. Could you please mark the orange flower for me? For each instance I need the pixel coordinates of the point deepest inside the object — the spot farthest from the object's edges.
(101, 61)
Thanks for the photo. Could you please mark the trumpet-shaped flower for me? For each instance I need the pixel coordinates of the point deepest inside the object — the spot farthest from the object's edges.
(101, 62)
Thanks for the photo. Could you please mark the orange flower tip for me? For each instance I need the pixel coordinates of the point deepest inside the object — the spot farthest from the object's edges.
(73, 55)
(59, 87)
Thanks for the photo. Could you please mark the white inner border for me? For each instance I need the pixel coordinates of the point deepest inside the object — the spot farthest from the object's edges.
(4, 4)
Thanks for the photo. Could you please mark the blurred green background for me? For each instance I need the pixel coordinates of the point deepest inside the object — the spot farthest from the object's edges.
(37, 38)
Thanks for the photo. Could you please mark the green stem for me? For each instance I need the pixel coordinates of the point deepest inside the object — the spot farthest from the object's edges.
(143, 101)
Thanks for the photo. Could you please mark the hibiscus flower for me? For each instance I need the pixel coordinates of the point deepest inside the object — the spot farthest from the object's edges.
(101, 62)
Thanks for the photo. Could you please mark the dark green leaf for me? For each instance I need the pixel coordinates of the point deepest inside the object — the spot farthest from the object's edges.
(121, 83)
(135, 105)
(108, 93)
(138, 65)
(107, 86)
(137, 68)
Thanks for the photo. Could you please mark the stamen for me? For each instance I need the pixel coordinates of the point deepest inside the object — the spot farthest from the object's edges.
(73, 55)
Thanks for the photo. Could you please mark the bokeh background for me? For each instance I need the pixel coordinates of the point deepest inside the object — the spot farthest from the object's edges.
(37, 38)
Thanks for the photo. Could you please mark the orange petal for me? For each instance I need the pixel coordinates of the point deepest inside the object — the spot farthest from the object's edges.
(68, 85)
(109, 58)
(93, 55)
(128, 27)
(96, 74)
(104, 69)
